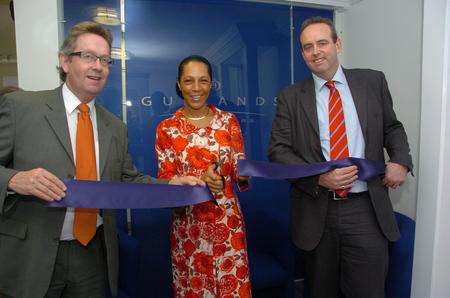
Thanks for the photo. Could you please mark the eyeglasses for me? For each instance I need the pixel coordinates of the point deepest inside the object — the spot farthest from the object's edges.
(91, 58)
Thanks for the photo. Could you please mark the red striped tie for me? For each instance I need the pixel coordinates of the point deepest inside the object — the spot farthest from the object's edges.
(338, 136)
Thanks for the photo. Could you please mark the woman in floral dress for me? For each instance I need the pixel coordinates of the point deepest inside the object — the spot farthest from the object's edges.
(208, 246)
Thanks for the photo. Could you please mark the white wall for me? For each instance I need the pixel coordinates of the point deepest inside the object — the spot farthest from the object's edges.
(387, 35)
(37, 32)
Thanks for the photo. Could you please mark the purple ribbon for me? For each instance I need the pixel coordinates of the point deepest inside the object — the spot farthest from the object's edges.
(122, 195)
(367, 169)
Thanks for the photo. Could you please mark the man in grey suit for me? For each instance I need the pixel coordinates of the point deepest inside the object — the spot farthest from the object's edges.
(342, 224)
(40, 255)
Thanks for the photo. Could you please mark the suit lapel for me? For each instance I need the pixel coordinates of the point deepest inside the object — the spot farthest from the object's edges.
(104, 137)
(56, 117)
(360, 96)
(308, 102)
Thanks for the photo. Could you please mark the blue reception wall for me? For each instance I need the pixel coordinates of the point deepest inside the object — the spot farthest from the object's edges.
(249, 47)
(248, 44)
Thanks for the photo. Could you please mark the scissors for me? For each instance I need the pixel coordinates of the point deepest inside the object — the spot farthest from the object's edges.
(218, 169)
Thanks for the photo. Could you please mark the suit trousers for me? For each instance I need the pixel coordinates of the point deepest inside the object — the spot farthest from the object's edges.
(351, 259)
(80, 271)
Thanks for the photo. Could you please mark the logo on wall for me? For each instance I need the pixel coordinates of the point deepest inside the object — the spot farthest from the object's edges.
(216, 85)
(248, 109)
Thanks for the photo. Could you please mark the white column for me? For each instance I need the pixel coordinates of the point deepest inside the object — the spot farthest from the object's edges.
(431, 272)
(37, 42)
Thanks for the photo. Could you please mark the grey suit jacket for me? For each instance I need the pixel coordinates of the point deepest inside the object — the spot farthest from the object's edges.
(295, 140)
(34, 133)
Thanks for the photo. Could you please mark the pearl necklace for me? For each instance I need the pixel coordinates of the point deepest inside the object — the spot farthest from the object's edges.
(197, 118)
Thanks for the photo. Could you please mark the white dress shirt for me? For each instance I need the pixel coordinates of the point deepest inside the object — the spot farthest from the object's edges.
(71, 103)
(356, 144)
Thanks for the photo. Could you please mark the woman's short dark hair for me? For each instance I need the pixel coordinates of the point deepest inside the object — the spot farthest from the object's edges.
(192, 58)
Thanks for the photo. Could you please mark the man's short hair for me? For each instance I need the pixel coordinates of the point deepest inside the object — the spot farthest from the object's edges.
(320, 20)
(69, 43)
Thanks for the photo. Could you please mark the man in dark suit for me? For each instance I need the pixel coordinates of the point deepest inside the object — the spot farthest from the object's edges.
(342, 224)
(47, 136)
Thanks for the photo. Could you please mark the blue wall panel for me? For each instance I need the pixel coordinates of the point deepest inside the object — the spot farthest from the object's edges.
(249, 46)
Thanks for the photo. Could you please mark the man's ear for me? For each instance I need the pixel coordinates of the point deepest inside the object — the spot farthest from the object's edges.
(64, 61)
(338, 45)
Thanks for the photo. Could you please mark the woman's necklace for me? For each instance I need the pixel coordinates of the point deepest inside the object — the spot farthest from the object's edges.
(197, 118)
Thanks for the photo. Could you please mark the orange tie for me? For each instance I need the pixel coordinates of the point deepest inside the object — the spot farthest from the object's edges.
(85, 221)
(338, 134)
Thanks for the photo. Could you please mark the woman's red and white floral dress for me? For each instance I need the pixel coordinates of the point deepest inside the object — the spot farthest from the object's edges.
(208, 246)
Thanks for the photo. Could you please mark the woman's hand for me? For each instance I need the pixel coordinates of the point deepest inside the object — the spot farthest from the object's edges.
(243, 178)
(214, 181)
(186, 180)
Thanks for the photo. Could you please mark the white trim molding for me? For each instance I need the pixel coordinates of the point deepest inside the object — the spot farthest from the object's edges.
(327, 3)
(334, 4)
(431, 269)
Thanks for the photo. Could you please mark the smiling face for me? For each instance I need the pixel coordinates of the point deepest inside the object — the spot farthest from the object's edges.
(86, 80)
(319, 50)
(195, 85)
